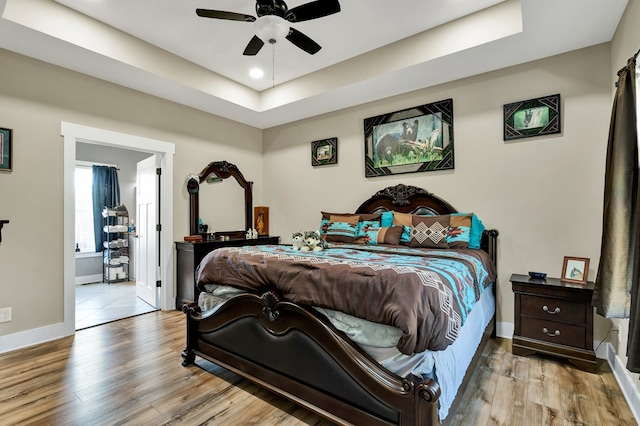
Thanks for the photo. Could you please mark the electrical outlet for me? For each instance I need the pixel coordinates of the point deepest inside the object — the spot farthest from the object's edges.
(5, 314)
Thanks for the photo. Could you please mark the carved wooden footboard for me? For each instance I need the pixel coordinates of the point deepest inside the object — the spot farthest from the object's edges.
(262, 339)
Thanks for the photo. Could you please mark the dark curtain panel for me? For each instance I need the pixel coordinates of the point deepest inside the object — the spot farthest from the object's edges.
(106, 193)
(616, 288)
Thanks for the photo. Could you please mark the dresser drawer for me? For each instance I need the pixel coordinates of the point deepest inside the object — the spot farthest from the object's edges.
(554, 332)
(553, 309)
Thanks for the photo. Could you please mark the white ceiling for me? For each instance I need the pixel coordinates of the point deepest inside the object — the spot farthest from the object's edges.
(372, 49)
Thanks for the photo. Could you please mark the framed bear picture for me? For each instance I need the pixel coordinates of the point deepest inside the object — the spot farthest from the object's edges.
(417, 139)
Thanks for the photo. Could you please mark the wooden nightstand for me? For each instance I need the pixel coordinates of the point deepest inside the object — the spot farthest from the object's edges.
(554, 318)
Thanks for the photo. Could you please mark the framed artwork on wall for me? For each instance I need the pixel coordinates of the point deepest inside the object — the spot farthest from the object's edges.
(533, 117)
(418, 139)
(5, 150)
(261, 218)
(324, 152)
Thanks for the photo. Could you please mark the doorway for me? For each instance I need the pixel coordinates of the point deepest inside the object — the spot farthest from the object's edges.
(74, 134)
(101, 295)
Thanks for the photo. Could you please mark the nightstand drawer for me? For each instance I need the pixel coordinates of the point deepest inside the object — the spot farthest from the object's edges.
(553, 309)
(554, 332)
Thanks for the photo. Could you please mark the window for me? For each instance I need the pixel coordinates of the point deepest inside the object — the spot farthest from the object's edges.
(85, 240)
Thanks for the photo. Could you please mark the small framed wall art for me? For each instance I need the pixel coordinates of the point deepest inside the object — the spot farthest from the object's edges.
(324, 151)
(261, 217)
(575, 270)
(533, 117)
(5, 150)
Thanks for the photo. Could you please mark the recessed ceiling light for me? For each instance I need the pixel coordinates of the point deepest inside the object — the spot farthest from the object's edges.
(256, 73)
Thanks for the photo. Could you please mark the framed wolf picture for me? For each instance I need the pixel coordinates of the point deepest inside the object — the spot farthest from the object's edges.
(417, 139)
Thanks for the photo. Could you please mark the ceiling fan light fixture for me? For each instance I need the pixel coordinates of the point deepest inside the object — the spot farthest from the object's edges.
(271, 29)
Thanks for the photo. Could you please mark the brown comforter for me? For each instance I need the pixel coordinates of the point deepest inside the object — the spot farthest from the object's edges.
(425, 293)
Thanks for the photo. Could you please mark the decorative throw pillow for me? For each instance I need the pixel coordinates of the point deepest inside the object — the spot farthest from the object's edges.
(386, 220)
(405, 220)
(459, 231)
(385, 235)
(430, 231)
(366, 226)
(342, 228)
(477, 228)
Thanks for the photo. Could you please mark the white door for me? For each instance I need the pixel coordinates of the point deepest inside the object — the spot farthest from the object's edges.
(147, 234)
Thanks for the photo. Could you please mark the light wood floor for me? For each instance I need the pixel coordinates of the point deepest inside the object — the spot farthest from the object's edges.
(129, 372)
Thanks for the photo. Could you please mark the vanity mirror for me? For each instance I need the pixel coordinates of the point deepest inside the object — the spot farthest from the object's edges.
(219, 202)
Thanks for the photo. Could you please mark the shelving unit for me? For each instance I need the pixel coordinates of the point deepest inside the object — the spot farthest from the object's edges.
(115, 253)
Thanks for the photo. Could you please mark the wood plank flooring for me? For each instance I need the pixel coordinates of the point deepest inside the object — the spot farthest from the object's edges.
(129, 372)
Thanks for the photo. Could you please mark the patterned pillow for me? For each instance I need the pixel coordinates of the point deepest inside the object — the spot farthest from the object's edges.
(430, 231)
(365, 226)
(365, 220)
(475, 233)
(342, 228)
(459, 231)
(385, 235)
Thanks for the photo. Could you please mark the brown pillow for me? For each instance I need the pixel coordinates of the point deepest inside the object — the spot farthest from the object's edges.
(404, 219)
(430, 231)
(389, 235)
(362, 216)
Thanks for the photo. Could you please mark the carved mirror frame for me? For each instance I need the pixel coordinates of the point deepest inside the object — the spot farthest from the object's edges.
(223, 170)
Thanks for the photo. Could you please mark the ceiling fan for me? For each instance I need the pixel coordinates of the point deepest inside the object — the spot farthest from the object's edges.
(272, 23)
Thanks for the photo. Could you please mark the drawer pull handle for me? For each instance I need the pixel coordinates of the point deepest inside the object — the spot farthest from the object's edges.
(555, 311)
(545, 330)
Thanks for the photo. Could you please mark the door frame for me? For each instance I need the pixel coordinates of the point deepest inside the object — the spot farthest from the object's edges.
(73, 133)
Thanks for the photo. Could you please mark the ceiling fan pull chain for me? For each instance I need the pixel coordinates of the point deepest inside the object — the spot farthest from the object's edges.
(273, 65)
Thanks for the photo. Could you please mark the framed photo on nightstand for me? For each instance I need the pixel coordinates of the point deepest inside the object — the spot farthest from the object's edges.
(575, 270)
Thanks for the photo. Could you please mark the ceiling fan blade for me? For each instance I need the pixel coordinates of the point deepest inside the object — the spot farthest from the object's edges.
(312, 10)
(230, 16)
(303, 42)
(254, 46)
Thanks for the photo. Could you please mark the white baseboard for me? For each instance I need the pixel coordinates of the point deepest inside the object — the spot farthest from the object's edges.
(504, 330)
(87, 279)
(31, 337)
(625, 380)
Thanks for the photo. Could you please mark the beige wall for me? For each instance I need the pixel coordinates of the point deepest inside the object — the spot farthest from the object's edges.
(543, 194)
(34, 98)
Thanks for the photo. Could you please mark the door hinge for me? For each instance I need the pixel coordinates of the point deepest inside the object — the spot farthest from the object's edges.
(158, 171)
(159, 227)
(158, 283)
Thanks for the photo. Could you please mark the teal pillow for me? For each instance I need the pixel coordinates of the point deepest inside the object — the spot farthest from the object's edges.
(387, 219)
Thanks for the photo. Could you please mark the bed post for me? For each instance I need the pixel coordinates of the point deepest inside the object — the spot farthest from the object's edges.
(188, 353)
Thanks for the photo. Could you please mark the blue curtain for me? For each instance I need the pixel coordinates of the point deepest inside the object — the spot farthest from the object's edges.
(106, 193)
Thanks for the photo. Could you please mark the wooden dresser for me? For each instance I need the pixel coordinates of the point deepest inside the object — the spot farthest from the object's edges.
(554, 318)
(189, 255)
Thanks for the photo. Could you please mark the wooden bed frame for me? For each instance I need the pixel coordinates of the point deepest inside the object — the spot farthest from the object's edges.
(262, 338)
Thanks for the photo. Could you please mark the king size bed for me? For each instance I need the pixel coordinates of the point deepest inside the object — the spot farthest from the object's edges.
(382, 327)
